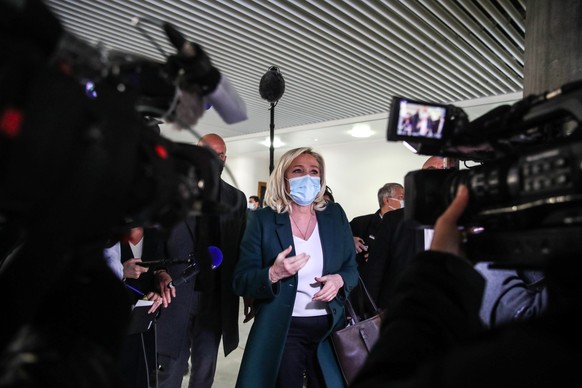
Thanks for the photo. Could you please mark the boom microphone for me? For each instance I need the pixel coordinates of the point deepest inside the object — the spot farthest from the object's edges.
(194, 268)
(272, 85)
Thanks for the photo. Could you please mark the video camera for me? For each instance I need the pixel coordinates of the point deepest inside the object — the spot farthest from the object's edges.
(79, 129)
(526, 190)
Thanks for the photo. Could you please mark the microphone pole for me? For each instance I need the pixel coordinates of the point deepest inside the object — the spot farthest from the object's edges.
(272, 134)
(271, 88)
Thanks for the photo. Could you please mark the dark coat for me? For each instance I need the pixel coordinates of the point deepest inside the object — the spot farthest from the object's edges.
(232, 227)
(396, 244)
(365, 227)
(173, 324)
(267, 234)
(432, 335)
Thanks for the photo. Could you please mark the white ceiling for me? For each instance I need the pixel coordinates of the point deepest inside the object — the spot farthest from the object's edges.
(342, 60)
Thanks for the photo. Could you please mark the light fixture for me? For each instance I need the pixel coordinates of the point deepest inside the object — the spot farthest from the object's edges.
(361, 131)
(276, 142)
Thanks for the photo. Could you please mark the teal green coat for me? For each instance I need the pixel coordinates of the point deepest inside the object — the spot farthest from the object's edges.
(266, 235)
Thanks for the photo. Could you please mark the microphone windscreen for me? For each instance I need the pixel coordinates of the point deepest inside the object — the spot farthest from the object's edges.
(215, 255)
(272, 85)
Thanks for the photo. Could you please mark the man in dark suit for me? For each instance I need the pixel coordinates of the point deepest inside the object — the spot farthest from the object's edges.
(364, 228)
(397, 242)
(205, 309)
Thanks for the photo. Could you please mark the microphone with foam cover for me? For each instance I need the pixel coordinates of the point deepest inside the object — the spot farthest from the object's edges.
(194, 268)
(272, 85)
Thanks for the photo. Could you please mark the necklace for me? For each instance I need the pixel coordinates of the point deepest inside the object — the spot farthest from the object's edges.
(304, 235)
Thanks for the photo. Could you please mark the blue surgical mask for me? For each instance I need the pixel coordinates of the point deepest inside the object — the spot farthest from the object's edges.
(304, 189)
(401, 203)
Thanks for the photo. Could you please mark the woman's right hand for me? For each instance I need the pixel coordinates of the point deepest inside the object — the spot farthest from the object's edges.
(284, 266)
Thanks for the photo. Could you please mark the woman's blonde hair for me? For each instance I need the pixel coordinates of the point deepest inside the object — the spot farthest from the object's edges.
(276, 195)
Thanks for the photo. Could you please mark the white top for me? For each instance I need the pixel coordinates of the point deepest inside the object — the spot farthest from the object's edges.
(306, 285)
(112, 257)
(137, 249)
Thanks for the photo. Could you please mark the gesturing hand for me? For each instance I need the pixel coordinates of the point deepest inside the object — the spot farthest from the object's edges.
(284, 266)
(331, 286)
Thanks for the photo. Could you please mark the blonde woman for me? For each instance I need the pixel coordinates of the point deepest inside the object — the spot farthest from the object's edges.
(298, 263)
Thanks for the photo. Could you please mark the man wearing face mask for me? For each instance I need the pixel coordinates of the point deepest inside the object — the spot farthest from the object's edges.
(254, 203)
(397, 242)
(364, 228)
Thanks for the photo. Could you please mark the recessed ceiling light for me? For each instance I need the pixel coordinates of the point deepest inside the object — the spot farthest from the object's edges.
(276, 142)
(361, 130)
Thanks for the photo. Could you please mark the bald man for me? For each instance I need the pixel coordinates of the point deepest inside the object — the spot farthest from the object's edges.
(206, 310)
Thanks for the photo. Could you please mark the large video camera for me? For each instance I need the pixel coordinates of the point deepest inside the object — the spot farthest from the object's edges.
(526, 190)
(80, 122)
(80, 153)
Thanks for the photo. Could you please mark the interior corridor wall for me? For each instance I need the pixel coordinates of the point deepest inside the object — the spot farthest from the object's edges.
(354, 171)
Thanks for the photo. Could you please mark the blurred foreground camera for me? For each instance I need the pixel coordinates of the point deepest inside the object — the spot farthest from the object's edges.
(525, 192)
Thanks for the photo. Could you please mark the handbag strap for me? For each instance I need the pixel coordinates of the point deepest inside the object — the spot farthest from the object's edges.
(368, 295)
(350, 308)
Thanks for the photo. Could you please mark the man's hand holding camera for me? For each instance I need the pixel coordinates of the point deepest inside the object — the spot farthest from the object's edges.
(447, 237)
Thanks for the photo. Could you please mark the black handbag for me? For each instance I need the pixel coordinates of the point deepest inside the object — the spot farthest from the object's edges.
(353, 343)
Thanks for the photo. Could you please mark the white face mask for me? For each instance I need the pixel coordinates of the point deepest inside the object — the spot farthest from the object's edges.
(400, 201)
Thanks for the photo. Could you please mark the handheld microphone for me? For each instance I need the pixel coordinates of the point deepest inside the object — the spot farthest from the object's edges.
(216, 256)
(166, 262)
(194, 268)
(190, 271)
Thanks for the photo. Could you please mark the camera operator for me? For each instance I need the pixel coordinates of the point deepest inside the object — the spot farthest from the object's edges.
(432, 334)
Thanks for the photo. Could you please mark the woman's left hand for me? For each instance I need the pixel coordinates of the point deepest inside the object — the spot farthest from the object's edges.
(331, 286)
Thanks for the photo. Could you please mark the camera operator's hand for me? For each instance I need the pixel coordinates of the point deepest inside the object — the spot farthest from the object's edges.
(163, 279)
(447, 237)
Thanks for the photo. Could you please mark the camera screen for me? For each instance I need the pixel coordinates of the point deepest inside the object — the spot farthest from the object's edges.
(417, 121)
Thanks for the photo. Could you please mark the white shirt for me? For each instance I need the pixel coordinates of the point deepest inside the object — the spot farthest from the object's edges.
(137, 249)
(304, 305)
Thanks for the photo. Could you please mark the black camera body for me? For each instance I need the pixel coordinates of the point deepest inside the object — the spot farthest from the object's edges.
(526, 191)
